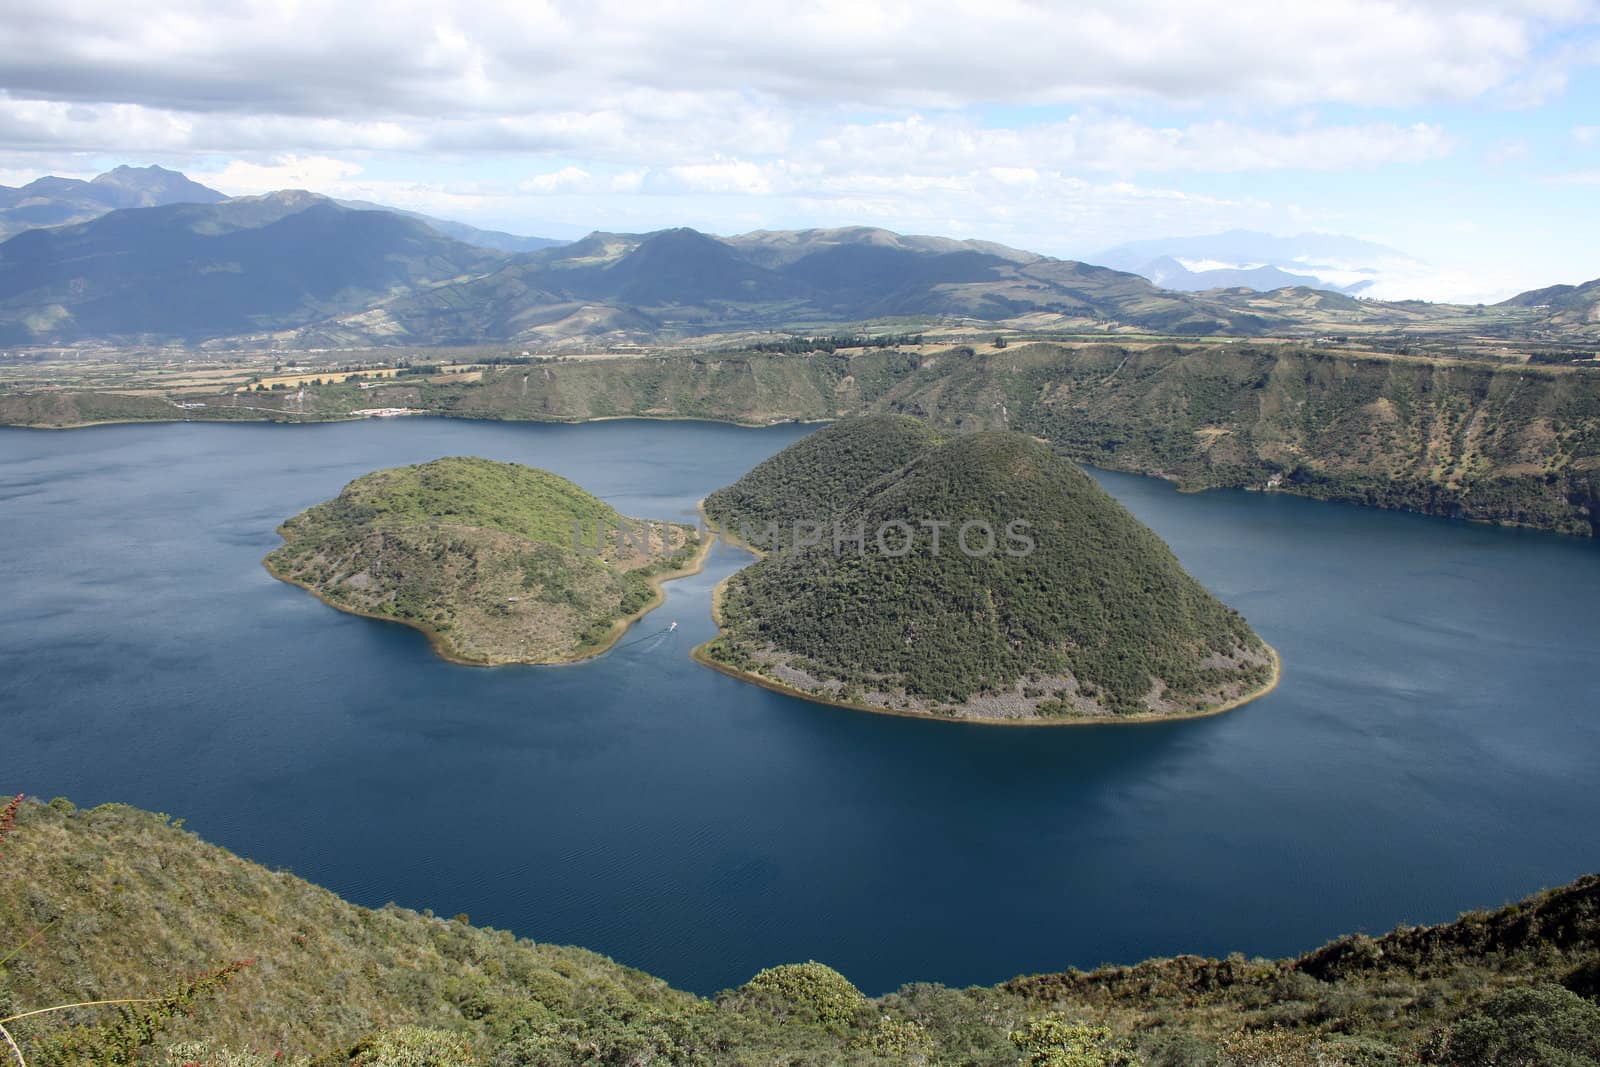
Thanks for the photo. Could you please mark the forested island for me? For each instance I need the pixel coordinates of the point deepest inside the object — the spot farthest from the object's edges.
(131, 905)
(980, 577)
(496, 562)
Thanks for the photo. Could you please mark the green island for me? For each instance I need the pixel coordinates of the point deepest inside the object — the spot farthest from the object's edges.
(982, 577)
(496, 562)
(131, 905)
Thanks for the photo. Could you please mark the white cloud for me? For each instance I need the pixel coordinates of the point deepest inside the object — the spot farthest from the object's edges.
(722, 176)
(611, 113)
(481, 59)
(567, 179)
(1122, 145)
(1586, 135)
(317, 173)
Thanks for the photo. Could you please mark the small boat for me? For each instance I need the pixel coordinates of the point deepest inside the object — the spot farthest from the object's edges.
(673, 627)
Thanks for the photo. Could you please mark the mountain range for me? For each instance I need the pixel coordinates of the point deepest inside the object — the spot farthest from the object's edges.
(192, 271)
(52, 201)
(300, 270)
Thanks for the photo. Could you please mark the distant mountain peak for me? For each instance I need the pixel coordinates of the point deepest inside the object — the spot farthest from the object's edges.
(55, 201)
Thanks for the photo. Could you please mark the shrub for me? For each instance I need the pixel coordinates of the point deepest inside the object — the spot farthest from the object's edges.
(1534, 1026)
(812, 987)
(413, 1046)
(1054, 1042)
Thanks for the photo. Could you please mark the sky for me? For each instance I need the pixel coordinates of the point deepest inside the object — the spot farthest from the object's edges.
(1464, 133)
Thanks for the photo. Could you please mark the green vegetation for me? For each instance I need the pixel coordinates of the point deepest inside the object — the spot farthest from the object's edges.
(129, 899)
(1495, 442)
(984, 577)
(499, 563)
(834, 342)
(813, 989)
(809, 480)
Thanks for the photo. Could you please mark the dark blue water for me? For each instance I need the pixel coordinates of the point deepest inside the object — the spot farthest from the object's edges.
(1432, 747)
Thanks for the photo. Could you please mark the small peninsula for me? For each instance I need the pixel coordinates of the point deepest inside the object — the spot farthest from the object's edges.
(982, 578)
(496, 562)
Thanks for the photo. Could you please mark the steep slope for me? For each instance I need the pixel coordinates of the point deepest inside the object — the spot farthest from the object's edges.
(497, 563)
(53, 201)
(130, 900)
(190, 271)
(985, 578)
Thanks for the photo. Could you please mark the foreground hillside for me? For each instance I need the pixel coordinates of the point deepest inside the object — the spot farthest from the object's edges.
(128, 900)
(496, 562)
(986, 578)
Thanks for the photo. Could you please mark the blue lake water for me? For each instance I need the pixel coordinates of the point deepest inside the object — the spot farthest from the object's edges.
(1433, 746)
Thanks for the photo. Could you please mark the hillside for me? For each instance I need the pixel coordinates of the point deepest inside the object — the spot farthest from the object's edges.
(1043, 601)
(131, 900)
(808, 481)
(493, 240)
(1504, 443)
(637, 287)
(1508, 444)
(1572, 310)
(612, 288)
(298, 271)
(497, 563)
(191, 271)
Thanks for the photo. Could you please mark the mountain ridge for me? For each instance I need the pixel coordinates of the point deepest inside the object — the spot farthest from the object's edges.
(193, 271)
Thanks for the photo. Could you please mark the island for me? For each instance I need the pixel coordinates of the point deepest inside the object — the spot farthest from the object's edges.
(497, 563)
(983, 578)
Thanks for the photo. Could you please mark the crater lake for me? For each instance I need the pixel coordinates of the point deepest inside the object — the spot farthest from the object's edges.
(1431, 748)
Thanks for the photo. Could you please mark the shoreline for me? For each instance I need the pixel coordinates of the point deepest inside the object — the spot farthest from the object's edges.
(437, 642)
(700, 656)
(1177, 482)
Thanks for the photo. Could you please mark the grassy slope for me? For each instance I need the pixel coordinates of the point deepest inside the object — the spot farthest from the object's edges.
(1099, 598)
(133, 900)
(478, 554)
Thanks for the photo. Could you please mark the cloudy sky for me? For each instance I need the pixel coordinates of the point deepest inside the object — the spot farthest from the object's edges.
(1465, 133)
